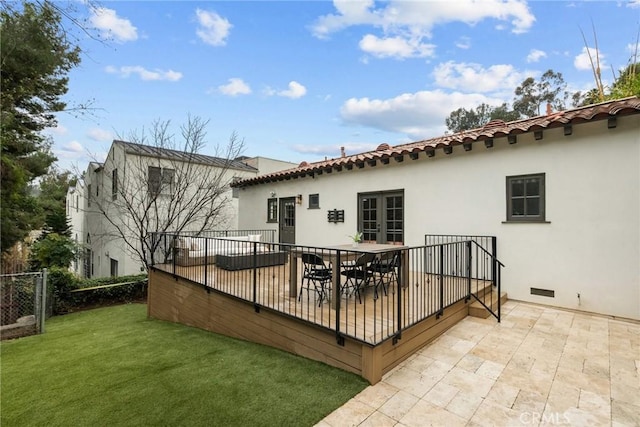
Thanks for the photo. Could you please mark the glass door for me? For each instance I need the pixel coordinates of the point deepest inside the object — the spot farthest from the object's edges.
(287, 222)
(381, 217)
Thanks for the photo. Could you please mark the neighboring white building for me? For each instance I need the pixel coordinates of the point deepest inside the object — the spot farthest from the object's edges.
(142, 188)
(560, 192)
(75, 210)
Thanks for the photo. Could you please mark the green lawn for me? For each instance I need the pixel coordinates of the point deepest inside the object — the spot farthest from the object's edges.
(114, 366)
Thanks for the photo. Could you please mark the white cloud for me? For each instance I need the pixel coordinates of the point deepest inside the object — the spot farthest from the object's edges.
(633, 3)
(145, 74)
(111, 25)
(73, 147)
(235, 87)
(295, 90)
(395, 47)
(583, 63)
(73, 156)
(463, 43)
(100, 135)
(213, 29)
(349, 13)
(70, 151)
(412, 21)
(535, 55)
(57, 130)
(470, 77)
(419, 115)
(633, 48)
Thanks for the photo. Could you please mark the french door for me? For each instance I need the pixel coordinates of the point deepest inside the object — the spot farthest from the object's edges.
(287, 221)
(381, 217)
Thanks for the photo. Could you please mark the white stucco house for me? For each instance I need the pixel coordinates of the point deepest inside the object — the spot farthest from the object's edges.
(75, 213)
(141, 188)
(561, 193)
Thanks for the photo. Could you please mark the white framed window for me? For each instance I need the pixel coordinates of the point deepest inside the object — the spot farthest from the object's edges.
(272, 210)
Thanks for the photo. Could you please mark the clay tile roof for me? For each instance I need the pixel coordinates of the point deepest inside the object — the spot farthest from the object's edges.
(493, 129)
(494, 123)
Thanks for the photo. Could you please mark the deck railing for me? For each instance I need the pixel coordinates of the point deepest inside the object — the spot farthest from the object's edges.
(265, 235)
(163, 244)
(419, 282)
(486, 265)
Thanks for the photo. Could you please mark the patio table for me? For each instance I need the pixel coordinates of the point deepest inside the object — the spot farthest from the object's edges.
(347, 253)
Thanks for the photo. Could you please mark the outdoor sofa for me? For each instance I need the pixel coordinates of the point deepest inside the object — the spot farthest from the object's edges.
(229, 253)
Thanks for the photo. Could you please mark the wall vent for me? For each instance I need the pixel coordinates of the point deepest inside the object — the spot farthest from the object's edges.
(543, 292)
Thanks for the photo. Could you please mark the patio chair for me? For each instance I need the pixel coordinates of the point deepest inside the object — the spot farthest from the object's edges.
(357, 275)
(317, 275)
(385, 268)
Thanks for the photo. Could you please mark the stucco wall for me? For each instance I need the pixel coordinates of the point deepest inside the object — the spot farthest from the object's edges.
(266, 165)
(106, 242)
(589, 246)
(75, 207)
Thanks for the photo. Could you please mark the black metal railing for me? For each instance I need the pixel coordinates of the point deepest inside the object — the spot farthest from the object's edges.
(165, 244)
(265, 235)
(371, 293)
(485, 266)
(488, 243)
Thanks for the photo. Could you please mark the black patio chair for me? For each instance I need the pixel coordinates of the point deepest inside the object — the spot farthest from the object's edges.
(357, 275)
(317, 275)
(385, 270)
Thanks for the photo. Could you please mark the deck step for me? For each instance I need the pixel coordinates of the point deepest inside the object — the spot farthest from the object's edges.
(477, 310)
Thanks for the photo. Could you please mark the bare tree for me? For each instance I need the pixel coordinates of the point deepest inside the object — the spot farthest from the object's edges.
(155, 184)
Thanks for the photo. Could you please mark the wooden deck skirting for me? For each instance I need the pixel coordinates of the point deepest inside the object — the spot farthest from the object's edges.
(180, 300)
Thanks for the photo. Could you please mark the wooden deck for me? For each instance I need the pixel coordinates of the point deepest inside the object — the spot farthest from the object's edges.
(372, 320)
(359, 337)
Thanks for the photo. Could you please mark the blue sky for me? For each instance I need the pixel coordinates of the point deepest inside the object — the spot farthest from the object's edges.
(297, 80)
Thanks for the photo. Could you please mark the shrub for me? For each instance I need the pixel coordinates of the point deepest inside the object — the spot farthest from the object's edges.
(89, 293)
(99, 281)
(60, 282)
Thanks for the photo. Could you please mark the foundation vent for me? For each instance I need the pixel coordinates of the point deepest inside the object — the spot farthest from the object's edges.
(543, 292)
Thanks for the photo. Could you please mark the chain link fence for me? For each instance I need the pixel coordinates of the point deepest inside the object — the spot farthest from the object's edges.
(23, 305)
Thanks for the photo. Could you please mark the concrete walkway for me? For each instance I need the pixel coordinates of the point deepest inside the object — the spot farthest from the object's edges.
(540, 366)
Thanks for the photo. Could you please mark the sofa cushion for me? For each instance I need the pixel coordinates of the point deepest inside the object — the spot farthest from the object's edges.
(198, 253)
(197, 243)
(234, 238)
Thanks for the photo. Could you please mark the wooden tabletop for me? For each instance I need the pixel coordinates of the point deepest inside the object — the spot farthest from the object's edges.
(367, 247)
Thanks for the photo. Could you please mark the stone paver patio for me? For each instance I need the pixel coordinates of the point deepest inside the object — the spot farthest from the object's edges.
(540, 366)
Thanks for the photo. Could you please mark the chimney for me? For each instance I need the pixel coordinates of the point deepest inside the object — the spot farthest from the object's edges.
(342, 152)
(549, 110)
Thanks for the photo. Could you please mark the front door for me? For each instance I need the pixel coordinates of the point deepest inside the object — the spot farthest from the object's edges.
(287, 222)
(381, 217)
